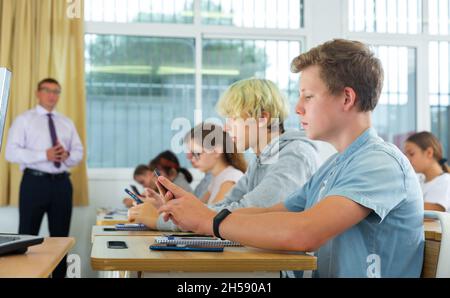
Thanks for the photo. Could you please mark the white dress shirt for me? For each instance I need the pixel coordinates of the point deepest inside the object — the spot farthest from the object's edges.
(29, 139)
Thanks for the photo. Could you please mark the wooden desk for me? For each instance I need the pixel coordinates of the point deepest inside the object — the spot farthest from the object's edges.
(111, 220)
(99, 231)
(432, 230)
(39, 261)
(138, 257)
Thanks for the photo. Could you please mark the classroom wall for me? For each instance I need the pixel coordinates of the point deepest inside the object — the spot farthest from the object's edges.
(105, 190)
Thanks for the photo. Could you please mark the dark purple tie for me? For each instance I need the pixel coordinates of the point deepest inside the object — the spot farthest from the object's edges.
(51, 126)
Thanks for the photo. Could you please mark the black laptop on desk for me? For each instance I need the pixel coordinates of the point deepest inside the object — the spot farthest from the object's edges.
(17, 244)
(11, 243)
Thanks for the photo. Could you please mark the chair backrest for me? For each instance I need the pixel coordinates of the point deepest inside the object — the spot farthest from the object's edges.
(437, 254)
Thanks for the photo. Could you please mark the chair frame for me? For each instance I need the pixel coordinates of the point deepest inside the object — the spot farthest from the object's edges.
(443, 266)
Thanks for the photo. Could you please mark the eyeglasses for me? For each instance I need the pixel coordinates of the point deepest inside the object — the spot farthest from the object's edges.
(192, 155)
(48, 91)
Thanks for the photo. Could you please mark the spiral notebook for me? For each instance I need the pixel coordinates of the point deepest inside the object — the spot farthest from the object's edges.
(198, 241)
(132, 227)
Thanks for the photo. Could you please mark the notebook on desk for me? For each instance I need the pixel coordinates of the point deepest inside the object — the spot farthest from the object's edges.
(132, 227)
(197, 240)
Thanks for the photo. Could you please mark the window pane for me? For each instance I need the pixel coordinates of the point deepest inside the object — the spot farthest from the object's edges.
(439, 16)
(395, 115)
(439, 96)
(136, 86)
(227, 61)
(383, 16)
(138, 11)
(286, 14)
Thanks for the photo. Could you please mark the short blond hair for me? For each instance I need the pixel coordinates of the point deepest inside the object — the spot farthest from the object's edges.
(251, 97)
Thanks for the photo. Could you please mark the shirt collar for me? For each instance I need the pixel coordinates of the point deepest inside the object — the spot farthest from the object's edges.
(41, 111)
(361, 140)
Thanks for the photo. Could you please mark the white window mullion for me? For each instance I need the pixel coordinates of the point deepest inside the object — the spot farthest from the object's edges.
(198, 117)
(141, 29)
(425, 18)
(423, 104)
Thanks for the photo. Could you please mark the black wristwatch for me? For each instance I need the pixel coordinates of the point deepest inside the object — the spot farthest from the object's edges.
(218, 220)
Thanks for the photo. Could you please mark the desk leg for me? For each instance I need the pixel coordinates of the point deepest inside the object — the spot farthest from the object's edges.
(115, 274)
(275, 274)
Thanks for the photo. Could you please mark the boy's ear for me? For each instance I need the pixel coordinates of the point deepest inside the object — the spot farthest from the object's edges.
(349, 98)
(264, 119)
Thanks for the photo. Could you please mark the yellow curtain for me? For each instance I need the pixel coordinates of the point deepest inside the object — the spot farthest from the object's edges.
(39, 39)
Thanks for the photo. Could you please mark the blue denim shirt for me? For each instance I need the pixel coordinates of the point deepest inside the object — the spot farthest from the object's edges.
(389, 242)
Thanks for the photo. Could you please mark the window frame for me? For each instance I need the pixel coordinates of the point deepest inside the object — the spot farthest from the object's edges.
(319, 25)
(199, 32)
(418, 41)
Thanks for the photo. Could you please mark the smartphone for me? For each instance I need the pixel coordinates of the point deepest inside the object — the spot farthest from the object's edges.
(109, 229)
(133, 196)
(165, 190)
(134, 189)
(117, 245)
(184, 247)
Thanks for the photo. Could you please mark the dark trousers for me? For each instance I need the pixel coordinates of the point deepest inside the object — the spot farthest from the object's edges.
(40, 195)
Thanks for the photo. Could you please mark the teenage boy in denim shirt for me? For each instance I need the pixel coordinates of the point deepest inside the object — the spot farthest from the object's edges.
(362, 212)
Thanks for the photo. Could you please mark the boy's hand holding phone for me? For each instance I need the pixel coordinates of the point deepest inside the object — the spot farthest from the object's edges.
(187, 211)
(164, 192)
(145, 214)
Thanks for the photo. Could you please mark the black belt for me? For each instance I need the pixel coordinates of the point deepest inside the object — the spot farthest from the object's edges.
(44, 174)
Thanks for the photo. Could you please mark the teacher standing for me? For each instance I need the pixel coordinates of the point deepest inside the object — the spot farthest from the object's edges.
(46, 144)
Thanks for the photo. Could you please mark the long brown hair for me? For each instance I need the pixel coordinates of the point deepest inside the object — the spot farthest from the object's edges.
(208, 135)
(426, 140)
